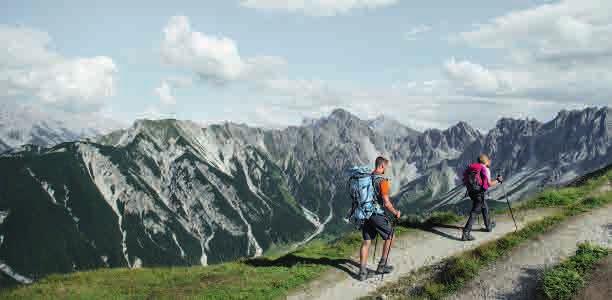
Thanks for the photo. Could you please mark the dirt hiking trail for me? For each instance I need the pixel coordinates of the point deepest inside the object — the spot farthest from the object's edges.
(410, 252)
(599, 287)
(517, 276)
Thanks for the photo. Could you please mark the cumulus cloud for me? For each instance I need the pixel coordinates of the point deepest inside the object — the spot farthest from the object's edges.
(29, 69)
(164, 90)
(214, 58)
(555, 52)
(413, 33)
(418, 104)
(317, 7)
(164, 94)
(563, 26)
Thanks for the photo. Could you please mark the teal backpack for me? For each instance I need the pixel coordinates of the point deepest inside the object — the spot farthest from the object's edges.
(362, 191)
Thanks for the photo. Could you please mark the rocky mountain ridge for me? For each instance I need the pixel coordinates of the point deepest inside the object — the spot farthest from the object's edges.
(172, 192)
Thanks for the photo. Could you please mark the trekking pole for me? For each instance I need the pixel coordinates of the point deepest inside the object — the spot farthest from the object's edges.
(375, 246)
(382, 276)
(509, 207)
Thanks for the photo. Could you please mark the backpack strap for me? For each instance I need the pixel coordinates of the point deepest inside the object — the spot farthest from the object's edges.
(376, 181)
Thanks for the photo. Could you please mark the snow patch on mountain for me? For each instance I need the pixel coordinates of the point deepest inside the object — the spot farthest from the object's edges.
(321, 227)
(110, 183)
(311, 217)
(137, 263)
(46, 186)
(231, 196)
(68, 208)
(178, 244)
(3, 215)
(206, 248)
(7, 270)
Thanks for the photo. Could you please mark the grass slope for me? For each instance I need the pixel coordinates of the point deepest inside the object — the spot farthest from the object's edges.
(565, 280)
(261, 278)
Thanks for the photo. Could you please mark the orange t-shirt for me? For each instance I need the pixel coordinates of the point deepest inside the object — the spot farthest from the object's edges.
(385, 188)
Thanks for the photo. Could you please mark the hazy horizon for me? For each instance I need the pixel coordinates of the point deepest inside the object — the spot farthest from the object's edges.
(276, 63)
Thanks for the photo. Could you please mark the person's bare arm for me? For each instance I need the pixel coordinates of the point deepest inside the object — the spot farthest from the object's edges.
(389, 206)
(494, 182)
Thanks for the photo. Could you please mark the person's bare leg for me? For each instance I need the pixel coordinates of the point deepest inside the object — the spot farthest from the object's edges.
(363, 254)
(383, 264)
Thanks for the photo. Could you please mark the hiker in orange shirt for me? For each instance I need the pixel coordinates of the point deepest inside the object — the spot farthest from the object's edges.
(379, 223)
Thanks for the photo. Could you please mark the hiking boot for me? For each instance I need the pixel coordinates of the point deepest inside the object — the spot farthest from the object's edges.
(491, 226)
(467, 237)
(382, 269)
(363, 275)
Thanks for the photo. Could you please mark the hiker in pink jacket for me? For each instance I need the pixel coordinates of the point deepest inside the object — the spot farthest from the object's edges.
(477, 180)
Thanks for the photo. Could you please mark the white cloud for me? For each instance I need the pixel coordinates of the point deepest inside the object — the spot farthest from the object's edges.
(565, 25)
(316, 7)
(29, 69)
(418, 104)
(412, 34)
(477, 79)
(555, 52)
(179, 81)
(213, 58)
(164, 94)
(164, 90)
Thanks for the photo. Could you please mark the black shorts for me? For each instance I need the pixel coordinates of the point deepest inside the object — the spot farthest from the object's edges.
(376, 224)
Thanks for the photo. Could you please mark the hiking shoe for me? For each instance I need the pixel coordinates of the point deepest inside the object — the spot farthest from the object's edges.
(363, 276)
(467, 237)
(382, 269)
(491, 226)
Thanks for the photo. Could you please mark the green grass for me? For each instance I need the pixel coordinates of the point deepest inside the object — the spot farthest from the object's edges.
(565, 197)
(444, 217)
(262, 278)
(566, 279)
(435, 218)
(555, 198)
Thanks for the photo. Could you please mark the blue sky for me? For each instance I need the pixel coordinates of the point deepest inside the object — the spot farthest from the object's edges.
(273, 62)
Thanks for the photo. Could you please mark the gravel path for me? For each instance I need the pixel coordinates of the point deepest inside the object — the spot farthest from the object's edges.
(600, 284)
(410, 252)
(516, 277)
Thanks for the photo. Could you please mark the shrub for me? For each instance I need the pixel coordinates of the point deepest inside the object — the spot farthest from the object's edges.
(566, 279)
(562, 283)
(443, 217)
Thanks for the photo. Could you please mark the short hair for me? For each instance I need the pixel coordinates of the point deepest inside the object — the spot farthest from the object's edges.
(380, 161)
(483, 158)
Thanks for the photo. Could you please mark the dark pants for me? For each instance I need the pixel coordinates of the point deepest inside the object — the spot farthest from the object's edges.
(479, 205)
(376, 224)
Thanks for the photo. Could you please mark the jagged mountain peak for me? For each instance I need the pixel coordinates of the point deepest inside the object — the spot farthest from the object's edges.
(390, 127)
(341, 115)
(26, 124)
(463, 129)
(589, 114)
(511, 125)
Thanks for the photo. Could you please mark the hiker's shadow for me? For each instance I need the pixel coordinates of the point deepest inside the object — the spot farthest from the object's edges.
(528, 285)
(442, 233)
(348, 266)
(432, 228)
